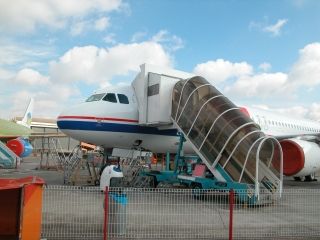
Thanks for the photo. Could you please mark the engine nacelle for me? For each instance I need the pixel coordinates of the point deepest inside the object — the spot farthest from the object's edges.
(300, 158)
(21, 147)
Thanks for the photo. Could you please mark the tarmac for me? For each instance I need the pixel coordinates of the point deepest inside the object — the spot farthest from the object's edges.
(30, 166)
(295, 214)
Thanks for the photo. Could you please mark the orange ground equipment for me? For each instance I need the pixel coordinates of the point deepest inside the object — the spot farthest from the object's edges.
(21, 208)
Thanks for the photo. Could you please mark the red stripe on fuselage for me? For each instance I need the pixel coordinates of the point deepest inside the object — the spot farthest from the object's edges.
(99, 118)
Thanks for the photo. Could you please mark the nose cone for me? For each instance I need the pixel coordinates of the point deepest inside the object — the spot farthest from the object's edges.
(70, 119)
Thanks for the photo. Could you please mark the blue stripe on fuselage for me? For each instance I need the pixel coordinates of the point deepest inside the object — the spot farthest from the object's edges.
(114, 127)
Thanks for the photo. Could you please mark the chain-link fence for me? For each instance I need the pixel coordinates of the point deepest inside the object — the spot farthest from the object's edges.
(138, 213)
(71, 212)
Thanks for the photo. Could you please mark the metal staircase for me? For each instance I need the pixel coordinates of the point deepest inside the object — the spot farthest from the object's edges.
(71, 162)
(230, 144)
(132, 171)
(51, 153)
(80, 167)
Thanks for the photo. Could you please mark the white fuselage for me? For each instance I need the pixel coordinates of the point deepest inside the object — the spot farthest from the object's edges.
(116, 125)
(275, 124)
(113, 122)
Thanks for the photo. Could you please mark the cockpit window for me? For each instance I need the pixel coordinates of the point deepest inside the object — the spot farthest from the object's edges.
(110, 97)
(123, 99)
(95, 97)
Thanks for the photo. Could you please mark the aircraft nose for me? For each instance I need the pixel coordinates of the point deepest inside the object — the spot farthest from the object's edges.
(75, 110)
(62, 120)
(67, 118)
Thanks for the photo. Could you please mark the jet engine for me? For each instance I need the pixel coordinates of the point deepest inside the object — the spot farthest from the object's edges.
(21, 147)
(300, 158)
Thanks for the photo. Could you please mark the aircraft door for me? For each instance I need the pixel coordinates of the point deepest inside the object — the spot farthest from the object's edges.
(265, 123)
(262, 121)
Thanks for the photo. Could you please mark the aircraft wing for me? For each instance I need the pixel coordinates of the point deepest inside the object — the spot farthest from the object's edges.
(10, 129)
(45, 135)
(8, 138)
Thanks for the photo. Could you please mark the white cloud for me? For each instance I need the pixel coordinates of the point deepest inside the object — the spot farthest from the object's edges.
(138, 36)
(50, 98)
(29, 76)
(304, 75)
(265, 66)
(314, 112)
(245, 83)
(294, 111)
(6, 74)
(276, 28)
(97, 65)
(18, 53)
(49, 101)
(25, 16)
(78, 28)
(110, 38)
(221, 70)
(10, 54)
(101, 23)
(261, 106)
(47, 104)
(306, 71)
(161, 36)
(265, 26)
(171, 42)
(298, 111)
(78, 66)
(19, 103)
(262, 85)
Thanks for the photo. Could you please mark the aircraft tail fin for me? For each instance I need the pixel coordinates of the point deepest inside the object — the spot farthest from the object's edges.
(26, 120)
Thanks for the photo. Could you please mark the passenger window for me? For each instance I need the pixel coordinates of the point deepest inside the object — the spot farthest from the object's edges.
(110, 97)
(123, 99)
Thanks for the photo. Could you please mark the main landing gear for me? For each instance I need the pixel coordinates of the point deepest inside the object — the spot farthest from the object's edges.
(308, 178)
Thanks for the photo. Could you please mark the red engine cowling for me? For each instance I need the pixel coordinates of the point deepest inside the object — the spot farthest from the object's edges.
(300, 158)
(20, 147)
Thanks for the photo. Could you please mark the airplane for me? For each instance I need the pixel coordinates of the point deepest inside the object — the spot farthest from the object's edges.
(110, 118)
(15, 134)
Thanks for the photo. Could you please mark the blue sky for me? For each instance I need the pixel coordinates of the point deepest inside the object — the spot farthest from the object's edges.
(259, 53)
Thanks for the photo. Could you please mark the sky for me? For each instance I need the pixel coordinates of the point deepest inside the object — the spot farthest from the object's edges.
(258, 53)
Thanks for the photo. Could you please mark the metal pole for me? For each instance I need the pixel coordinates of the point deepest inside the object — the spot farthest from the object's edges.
(106, 210)
(231, 203)
(167, 161)
(179, 154)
